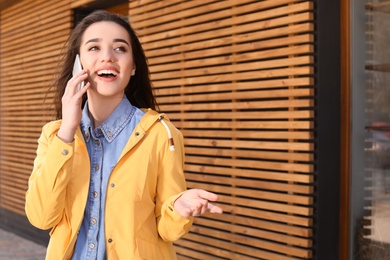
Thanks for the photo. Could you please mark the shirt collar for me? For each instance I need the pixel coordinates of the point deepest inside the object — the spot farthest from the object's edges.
(113, 125)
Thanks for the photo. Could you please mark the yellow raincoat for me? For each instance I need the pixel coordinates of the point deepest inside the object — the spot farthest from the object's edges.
(140, 221)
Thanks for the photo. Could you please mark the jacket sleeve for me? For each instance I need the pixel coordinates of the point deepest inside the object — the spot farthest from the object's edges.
(46, 194)
(171, 184)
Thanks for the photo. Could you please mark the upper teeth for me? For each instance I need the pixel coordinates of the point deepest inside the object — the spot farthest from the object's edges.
(101, 72)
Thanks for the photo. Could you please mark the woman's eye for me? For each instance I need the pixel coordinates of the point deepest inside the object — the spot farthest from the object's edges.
(120, 48)
(93, 48)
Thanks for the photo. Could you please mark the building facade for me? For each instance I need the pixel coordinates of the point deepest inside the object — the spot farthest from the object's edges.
(264, 93)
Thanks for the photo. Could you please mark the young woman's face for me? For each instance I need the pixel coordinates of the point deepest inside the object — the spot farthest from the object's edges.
(106, 55)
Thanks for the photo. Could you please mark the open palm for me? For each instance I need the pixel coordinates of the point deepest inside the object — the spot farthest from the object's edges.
(195, 202)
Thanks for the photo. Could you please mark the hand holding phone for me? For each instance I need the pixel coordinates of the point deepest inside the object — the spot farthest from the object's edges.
(76, 69)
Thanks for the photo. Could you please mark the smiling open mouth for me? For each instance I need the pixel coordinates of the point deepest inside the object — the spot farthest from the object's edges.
(107, 73)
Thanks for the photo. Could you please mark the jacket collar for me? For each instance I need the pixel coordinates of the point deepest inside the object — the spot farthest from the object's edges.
(112, 126)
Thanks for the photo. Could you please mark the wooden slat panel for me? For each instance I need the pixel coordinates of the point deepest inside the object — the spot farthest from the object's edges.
(213, 246)
(237, 78)
(39, 14)
(215, 19)
(269, 27)
(32, 36)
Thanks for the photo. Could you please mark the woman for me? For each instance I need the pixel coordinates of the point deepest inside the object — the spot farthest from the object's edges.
(108, 177)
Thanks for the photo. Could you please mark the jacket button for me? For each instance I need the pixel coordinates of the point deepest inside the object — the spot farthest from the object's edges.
(109, 240)
(112, 185)
(136, 133)
(65, 152)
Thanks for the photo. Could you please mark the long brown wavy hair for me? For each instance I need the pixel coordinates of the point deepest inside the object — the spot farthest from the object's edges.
(139, 90)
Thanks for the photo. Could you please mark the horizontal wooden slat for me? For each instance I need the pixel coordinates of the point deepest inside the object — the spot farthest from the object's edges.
(267, 215)
(250, 183)
(149, 5)
(246, 221)
(283, 135)
(252, 164)
(248, 66)
(80, 3)
(265, 145)
(265, 195)
(247, 125)
(244, 153)
(243, 115)
(271, 175)
(262, 74)
(239, 105)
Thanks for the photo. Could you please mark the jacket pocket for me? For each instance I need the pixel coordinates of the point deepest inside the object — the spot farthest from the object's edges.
(148, 250)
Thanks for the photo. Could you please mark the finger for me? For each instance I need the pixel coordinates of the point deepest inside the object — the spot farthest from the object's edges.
(197, 209)
(75, 81)
(84, 89)
(214, 209)
(207, 195)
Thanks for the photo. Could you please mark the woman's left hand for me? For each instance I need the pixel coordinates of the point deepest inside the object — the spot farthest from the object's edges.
(195, 202)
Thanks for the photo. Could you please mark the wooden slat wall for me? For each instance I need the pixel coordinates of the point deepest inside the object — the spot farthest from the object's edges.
(236, 77)
(32, 35)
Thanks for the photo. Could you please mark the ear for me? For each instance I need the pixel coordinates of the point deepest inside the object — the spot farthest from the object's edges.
(133, 72)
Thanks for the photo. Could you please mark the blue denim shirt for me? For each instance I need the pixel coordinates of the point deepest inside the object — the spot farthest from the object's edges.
(104, 144)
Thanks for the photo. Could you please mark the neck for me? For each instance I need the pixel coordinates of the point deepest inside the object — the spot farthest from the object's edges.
(100, 108)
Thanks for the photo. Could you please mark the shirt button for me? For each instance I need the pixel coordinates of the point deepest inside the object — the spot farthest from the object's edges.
(93, 221)
(65, 152)
(97, 168)
(87, 135)
(109, 134)
(97, 142)
(95, 194)
(92, 245)
(112, 185)
(100, 131)
(109, 240)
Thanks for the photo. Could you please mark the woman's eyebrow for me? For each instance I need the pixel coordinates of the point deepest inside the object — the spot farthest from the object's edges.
(94, 40)
(115, 40)
(121, 40)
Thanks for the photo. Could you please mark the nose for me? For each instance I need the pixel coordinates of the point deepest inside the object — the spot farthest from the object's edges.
(108, 56)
